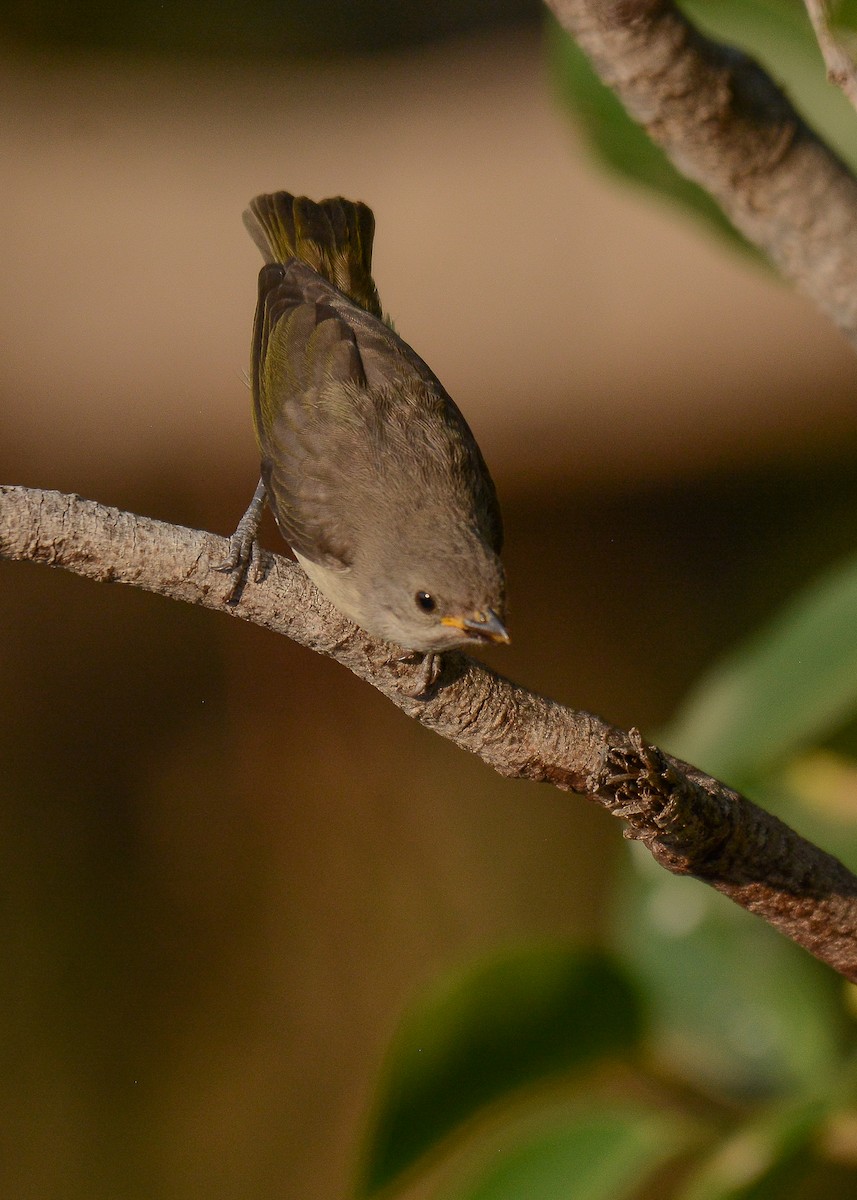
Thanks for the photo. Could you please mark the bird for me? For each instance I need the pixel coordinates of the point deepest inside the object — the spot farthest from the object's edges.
(373, 475)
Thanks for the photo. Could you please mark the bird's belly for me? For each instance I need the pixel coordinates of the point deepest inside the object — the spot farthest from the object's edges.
(337, 586)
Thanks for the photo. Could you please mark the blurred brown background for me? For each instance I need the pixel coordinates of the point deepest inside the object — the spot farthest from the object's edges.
(227, 864)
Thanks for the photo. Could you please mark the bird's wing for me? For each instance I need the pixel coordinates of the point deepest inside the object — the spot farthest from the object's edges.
(305, 364)
(386, 357)
(326, 378)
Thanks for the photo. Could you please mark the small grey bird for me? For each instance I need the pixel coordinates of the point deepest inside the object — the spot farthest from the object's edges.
(372, 473)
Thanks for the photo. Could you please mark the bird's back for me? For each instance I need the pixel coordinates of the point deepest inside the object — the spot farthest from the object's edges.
(348, 416)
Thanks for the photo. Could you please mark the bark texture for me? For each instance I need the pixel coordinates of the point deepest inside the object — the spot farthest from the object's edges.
(692, 824)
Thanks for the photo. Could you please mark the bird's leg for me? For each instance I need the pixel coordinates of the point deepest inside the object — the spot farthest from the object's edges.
(244, 560)
(427, 676)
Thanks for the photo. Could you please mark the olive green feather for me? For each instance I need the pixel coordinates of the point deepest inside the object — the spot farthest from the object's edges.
(334, 237)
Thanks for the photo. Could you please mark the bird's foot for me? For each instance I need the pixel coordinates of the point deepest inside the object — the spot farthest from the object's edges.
(427, 676)
(244, 558)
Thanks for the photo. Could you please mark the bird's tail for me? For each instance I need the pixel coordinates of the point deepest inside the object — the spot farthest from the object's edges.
(334, 237)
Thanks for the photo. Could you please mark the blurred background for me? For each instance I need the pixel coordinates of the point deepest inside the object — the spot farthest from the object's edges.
(227, 864)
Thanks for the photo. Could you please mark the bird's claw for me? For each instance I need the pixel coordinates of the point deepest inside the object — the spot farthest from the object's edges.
(427, 676)
(244, 560)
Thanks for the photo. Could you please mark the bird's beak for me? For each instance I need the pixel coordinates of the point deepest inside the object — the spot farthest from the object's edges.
(486, 626)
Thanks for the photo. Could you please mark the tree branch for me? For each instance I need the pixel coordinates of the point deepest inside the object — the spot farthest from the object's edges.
(724, 124)
(692, 824)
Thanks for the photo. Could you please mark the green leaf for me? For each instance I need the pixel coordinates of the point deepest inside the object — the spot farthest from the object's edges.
(486, 1031)
(843, 16)
(733, 1006)
(619, 142)
(790, 684)
(602, 1155)
(817, 794)
(764, 1159)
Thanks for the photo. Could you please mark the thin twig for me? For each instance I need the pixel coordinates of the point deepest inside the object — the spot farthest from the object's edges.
(841, 68)
(691, 823)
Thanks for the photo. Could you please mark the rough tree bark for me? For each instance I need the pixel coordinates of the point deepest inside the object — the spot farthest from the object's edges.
(692, 824)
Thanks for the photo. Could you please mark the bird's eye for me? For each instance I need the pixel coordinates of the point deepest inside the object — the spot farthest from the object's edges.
(426, 602)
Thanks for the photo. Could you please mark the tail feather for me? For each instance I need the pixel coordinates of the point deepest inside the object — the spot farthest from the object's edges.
(334, 237)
